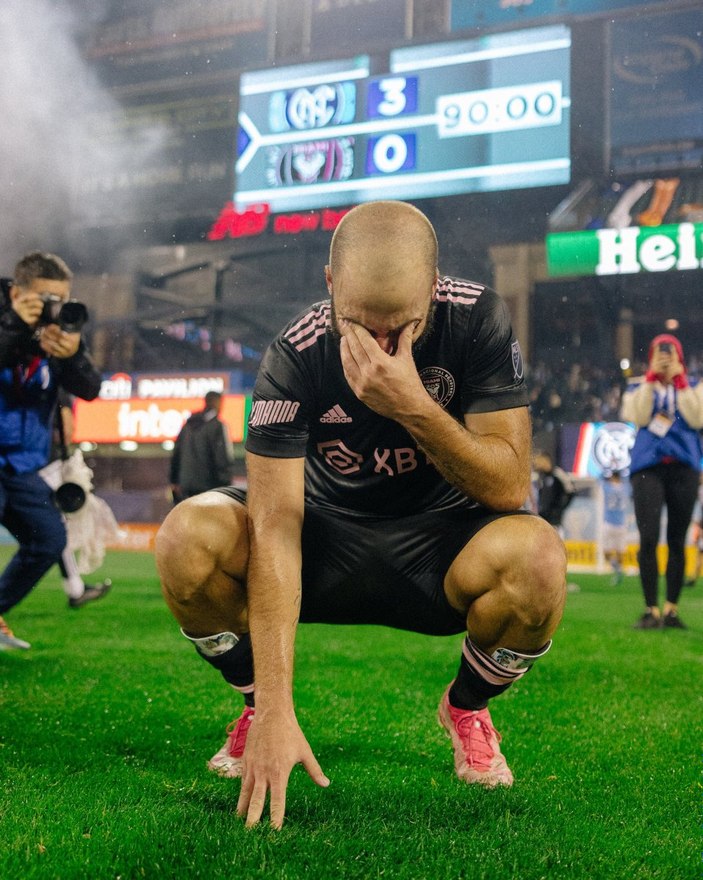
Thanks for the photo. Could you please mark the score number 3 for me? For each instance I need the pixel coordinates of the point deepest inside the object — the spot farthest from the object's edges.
(389, 98)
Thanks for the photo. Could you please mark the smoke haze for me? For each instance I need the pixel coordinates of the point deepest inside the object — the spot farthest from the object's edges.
(52, 103)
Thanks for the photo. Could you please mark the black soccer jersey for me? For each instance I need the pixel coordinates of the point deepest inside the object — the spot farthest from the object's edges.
(357, 461)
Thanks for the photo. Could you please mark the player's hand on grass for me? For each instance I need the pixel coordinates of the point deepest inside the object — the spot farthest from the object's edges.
(274, 746)
(387, 383)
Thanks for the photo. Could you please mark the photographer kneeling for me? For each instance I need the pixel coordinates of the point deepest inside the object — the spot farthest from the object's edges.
(40, 351)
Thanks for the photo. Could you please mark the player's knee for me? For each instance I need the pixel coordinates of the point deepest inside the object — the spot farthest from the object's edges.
(191, 544)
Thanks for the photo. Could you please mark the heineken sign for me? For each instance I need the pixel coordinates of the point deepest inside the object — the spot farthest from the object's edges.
(675, 247)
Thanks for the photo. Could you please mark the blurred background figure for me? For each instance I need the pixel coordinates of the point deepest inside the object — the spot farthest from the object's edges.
(555, 490)
(665, 470)
(203, 456)
(616, 499)
(697, 536)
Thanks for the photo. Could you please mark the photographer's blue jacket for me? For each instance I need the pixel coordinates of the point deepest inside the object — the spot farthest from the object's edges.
(29, 386)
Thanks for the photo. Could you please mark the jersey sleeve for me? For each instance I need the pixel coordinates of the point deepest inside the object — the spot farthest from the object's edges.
(494, 375)
(279, 420)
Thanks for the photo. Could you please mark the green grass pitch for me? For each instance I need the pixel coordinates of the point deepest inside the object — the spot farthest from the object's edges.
(106, 725)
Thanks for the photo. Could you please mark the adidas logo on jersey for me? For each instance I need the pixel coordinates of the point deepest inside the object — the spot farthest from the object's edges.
(335, 416)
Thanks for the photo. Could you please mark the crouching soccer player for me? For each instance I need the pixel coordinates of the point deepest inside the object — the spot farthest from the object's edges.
(388, 457)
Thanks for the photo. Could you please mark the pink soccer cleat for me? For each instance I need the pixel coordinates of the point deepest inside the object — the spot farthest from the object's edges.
(477, 755)
(228, 761)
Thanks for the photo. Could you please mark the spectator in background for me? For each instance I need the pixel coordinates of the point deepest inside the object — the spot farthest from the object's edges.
(40, 352)
(203, 457)
(616, 499)
(555, 490)
(665, 469)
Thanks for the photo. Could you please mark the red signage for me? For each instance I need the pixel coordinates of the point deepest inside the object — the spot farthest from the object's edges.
(255, 221)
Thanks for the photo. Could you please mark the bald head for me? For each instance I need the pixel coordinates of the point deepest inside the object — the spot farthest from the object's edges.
(383, 271)
(385, 244)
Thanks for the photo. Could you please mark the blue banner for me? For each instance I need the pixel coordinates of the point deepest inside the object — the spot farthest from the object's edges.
(656, 94)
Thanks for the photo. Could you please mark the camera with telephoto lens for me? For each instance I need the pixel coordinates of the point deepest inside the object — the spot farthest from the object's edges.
(69, 314)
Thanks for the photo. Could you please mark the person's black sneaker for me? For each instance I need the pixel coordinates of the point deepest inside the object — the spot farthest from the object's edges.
(90, 594)
(673, 621)
(648, 621)
(689, 582)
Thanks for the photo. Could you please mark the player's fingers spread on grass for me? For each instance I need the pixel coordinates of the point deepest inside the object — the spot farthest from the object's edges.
(315, 772)
(245, 792)
(256, 804)
(278, 805)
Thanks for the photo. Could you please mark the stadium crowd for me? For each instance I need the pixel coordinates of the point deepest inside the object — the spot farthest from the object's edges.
(570, 391)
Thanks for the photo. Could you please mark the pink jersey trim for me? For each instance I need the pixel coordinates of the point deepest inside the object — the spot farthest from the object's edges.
(310, 327)
(463, 293)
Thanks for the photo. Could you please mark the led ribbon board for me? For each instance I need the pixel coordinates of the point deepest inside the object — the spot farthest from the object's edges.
(486, 114)
(672, 247)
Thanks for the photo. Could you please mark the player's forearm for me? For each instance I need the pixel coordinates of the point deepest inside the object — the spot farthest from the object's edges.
(488, 468)
(274, 595)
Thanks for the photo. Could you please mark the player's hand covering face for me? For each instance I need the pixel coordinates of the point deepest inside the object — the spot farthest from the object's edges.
(380, 370)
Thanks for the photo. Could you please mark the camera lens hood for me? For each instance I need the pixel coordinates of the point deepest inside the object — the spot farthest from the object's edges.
(69, 497)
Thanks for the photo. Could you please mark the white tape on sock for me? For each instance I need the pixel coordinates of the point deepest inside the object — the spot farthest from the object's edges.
(211, 646)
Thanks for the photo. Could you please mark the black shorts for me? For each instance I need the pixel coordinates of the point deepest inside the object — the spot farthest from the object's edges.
(383, 571)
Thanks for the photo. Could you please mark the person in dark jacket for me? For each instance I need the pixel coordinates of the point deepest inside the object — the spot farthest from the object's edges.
(555, 490)
(40, 352)
(667, 409)
(202, 457)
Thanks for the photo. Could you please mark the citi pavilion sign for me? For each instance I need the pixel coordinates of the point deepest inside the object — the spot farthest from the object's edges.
(674, 247)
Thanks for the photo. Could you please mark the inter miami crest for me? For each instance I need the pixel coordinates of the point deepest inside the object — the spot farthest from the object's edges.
(439, 384)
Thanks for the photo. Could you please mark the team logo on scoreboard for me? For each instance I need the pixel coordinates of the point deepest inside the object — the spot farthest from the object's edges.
(304, 108)
(311, 162)
(439, 384)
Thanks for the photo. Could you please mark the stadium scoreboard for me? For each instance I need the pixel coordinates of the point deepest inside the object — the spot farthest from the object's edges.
(491, 113)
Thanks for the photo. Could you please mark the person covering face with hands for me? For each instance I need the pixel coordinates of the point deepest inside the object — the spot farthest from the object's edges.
(388, 459)
(37, 357)
(667, 409)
